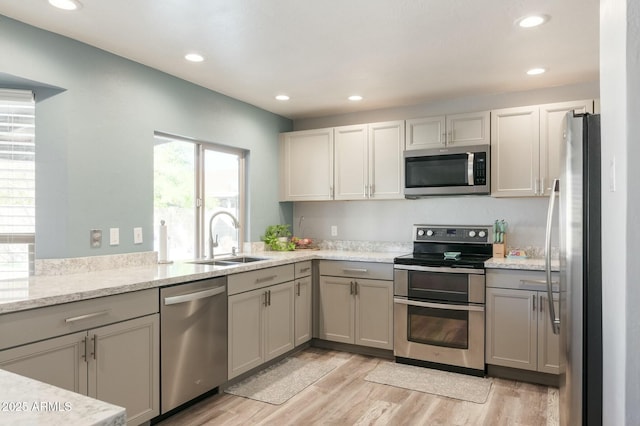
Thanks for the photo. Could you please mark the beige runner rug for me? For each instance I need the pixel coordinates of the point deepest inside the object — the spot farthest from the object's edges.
(280, 382)
(444, 383)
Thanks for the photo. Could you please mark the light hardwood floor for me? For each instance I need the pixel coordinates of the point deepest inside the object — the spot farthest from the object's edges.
(343, 397)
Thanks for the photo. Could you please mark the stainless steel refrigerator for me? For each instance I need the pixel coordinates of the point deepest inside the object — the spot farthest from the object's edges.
(579, 320)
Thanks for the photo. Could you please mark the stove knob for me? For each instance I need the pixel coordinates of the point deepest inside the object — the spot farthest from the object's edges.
(421, 232)
(472, 234)
(429, 233)
(482, 234)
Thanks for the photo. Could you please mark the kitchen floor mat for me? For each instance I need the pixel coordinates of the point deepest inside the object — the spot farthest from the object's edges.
(443, 383)
(280, 382)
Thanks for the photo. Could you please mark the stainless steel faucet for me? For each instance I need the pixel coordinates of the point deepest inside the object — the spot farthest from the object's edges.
(214, 243)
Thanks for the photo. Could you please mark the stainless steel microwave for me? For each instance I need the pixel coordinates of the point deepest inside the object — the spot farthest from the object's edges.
(447, 171)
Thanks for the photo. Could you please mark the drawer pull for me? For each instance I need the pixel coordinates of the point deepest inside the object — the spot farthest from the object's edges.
(537, 282)
(265, 279)
(87, 316)
(307, 269)
(360, 271)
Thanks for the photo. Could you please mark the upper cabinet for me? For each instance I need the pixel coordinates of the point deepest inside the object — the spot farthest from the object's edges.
(306, 171)
(525, 147)
(346, 163)
(450, 130)
(368, 161)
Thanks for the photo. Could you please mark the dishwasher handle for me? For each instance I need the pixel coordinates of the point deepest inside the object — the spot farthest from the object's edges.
(174, 300)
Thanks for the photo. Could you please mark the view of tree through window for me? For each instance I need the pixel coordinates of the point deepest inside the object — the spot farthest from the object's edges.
(192, 182)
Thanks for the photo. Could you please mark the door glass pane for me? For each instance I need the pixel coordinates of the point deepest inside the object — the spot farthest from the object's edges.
(221, 194)
(439, 286)
(174, 196)
(439, 327)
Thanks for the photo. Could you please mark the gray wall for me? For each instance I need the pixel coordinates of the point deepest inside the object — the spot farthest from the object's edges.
(620, 86)
(392, 220)
(94, 160)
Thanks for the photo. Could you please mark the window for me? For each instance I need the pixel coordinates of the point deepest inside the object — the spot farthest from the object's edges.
(193, 181)
(17, 183)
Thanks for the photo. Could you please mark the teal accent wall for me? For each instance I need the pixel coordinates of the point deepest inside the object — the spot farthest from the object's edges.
(94, 154)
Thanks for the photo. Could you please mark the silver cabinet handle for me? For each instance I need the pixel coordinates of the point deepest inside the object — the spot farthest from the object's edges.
(444, 138)
(351, 288)
(450, 137)
(85, 342)
(266, 298)
(536, 190)
(95, 346)
(173, 300)
(542, 188)
(470, 308)
(331, 191)
(303, 270)
(269, 297)
(542, 300)
(298, 289)
(87, 316)
(265, 279)
(356, 270)
(534, 303)
(555, 322)
(356, 286)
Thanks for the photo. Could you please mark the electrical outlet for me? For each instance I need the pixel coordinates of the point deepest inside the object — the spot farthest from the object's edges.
(95, 238)
(334, 230)
(114, 236)
(137, 235)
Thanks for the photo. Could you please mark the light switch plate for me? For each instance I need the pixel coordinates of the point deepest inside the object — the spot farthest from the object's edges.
(137, 235)
(95, 238)
(114, 236)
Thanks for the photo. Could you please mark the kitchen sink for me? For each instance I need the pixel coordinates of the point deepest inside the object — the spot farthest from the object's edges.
(229, 261)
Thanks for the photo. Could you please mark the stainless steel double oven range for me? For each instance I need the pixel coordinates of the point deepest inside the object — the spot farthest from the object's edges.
(439, 298)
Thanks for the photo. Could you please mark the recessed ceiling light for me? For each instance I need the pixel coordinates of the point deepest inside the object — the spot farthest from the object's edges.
(193, 57)
(282, 97)
(355, 98)
(536, 71)
(532, 20)
(66, 4)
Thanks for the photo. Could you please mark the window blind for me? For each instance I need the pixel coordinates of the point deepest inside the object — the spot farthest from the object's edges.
(17, 183)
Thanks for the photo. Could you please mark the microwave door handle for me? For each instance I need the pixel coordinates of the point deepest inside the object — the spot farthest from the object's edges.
(470, 157)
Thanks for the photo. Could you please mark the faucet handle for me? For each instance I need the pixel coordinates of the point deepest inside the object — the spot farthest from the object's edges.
(215, 242)
(233, 251)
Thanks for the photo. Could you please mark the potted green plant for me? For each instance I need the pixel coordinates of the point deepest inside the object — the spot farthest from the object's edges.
(276, 237)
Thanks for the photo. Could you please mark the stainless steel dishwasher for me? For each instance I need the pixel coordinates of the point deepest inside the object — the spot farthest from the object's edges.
(193, 327)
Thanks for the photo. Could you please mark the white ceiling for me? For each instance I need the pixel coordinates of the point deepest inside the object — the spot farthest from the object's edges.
(392, 52)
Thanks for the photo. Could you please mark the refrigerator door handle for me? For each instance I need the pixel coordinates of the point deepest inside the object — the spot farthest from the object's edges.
(555, 322)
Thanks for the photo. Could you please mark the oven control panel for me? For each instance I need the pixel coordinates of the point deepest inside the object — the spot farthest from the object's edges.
(452, 234)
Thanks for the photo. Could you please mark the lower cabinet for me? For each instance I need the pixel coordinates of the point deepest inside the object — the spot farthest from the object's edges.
(356, 310)
(261, 326)
(519, 333)
(117, 363)
(303, 315)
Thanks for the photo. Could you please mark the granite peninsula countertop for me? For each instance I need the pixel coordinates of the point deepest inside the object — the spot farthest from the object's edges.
(25, 401)
(533, 264)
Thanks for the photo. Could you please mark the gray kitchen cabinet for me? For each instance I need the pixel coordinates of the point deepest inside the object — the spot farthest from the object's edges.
(525, 147)
(306, 159)
(450, 130)
(355, 305)
(117, 362)
(518, 329)
(303, 327)
(261, 321)
(368, 161)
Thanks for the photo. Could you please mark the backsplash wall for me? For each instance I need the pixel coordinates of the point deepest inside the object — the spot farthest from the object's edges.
(392, 220)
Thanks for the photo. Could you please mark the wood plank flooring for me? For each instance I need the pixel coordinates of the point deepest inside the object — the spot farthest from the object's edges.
(343, 397)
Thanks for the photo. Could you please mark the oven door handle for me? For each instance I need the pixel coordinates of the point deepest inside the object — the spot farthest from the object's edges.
(441, 269)
(473, 308)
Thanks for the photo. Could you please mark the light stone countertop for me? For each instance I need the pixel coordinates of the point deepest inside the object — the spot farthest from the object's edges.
(25, 401)
(46, 290)
(523, 264)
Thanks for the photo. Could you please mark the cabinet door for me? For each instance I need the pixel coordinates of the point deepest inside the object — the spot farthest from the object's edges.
(425, 133)
(374, 313)
(548, 343)
(337, 305)
(279, 320)
(351, 175)
(124, 367)
(515, 152)
(511, 330)
(306, 165)
(246, 331)
(303, 317)
(386, 163)
(468, 129)
(58, 362)
(552, 119)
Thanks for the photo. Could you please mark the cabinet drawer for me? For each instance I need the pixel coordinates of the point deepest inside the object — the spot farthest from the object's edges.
(37, 324)
(520, 280)
(246, 281)
(340, 268)
(303, 269)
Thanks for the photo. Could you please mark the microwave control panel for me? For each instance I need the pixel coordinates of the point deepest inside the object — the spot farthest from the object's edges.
(451, 234)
